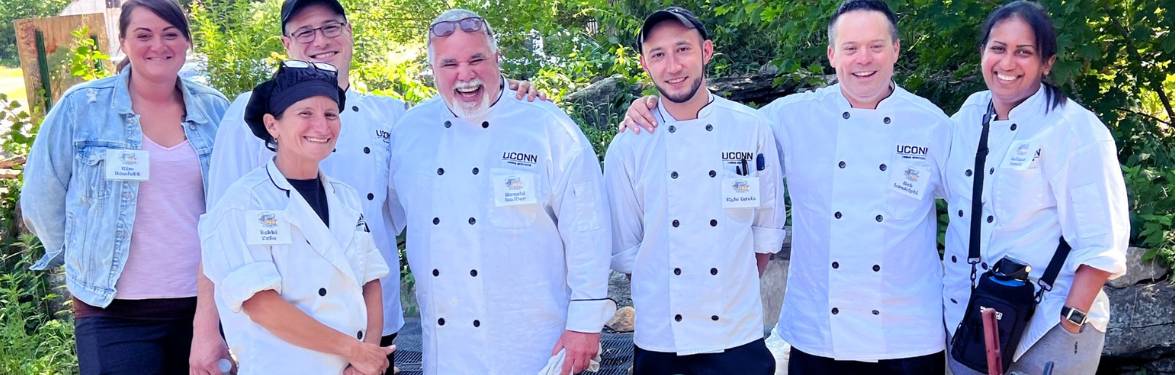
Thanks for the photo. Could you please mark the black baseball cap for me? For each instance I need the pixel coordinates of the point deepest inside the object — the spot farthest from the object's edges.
(672, 13)
(292, 7)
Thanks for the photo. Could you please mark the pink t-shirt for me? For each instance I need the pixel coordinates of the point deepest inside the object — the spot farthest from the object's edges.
(165, 246)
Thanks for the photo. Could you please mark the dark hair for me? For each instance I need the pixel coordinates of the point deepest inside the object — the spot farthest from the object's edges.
(1045, 39)
(168, 10)
(867, 5)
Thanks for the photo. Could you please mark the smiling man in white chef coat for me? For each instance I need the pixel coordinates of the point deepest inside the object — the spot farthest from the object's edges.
(863, 160)
(695, 210)
(508, 227)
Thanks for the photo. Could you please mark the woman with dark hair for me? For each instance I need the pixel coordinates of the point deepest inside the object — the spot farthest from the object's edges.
(114, 187)
(1050, 178)
(295, 265)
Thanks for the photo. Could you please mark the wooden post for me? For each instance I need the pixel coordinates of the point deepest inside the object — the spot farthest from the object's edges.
(44, 44)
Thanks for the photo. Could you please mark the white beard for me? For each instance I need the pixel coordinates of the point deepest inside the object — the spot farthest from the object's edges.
(471, 110)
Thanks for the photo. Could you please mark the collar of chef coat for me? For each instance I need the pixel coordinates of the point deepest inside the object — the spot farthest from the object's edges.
(331, 242)
(448, 114)
(843, 103)
(703, 112)
(1031, 108)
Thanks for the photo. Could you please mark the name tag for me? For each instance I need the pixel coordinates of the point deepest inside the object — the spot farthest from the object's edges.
(741, 192)
(910, 180)
(265, 227)
(514, 188)
(1020, 156)
(127, 165)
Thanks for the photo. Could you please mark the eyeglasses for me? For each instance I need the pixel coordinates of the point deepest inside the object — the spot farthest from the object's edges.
(443, 29)
(307, 35)
(299, 64)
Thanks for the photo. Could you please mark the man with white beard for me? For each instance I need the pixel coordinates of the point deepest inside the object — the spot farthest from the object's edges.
(508, 228)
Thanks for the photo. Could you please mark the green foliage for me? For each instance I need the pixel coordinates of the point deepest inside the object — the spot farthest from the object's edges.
(35, 341)
(239, 41)
(87, 58)
(12, 10)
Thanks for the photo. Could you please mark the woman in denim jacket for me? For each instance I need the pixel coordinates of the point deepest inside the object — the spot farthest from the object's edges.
(114, 187)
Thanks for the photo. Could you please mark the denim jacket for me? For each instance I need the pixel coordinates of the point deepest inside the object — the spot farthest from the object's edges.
(83, 219)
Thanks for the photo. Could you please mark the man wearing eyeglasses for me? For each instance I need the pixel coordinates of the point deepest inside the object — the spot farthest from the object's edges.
(315, 31)
(508, 227)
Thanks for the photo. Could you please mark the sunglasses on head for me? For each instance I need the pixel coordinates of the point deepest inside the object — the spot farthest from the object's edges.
(299, 64)
(443, 29)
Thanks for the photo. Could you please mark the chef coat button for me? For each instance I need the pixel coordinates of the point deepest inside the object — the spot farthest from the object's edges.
(836, 265)
(878, 218)
(961, 213)
(485, 124)
(845, 115)
(677, 271)
(448, 124)
(835, 311)
(436, 272)
(712, 173)
(714, 223)
(837, 214)
(991, 170)
(334, 149)
(371, 196)
(440, 171)
(954, 301)
(323, 292)
(875, 312)
(678, 318)
(709, 127)
(436, 220)
(841, 164)
(673, 129)
(715, 318)
(674, 175)
(714, 271)
(990, 218)
(441, 321)
(953, 258)
(968, 173)
(877, 268)
(475, 170)
(359, 335)
(1014, 127)
(477, 323)
(984, 266)
(367, 150)
(472, 221)
(882, 167)
(885, 120)
(473, 273)
(354, 109)
(675, 223)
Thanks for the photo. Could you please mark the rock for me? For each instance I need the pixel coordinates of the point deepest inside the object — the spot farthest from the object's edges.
(1139, 335)
(772, 285)
(1138, 270)
(758, 89)
(618, 289)
(622, 321)
(604, 102)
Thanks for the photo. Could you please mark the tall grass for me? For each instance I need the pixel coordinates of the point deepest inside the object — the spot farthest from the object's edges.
(35, 339)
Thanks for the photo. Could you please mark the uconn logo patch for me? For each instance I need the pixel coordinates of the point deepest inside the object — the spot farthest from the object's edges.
(911, 152)
(519, 158)
(736, 157)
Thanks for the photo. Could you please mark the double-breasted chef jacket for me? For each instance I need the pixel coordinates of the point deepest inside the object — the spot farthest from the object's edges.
(1048, 174)
(264, 236)
(678, 229)
(865, 268)
(508, 233)
(360, 160)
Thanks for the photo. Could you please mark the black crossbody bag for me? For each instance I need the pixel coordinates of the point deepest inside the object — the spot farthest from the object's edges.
(1014, 298)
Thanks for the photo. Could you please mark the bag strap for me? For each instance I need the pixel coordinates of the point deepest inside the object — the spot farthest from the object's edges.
(978, 190)
(1055, 266)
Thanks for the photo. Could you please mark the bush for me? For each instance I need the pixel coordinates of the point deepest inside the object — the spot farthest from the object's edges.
(37, 339)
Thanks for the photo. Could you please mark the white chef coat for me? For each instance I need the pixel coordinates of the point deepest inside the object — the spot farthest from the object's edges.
(864, 271)
(1048, 175)
(695, 280)
(508, 233)
(320, 270)
(360, 160)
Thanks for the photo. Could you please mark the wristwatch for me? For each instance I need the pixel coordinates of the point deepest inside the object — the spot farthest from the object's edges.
(1078, 317)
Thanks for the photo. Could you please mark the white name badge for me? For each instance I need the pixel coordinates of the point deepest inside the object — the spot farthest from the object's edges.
(1020, 156)
(514, 188)
(741, 192)
(127, 165)
(910, 180)
(264, 227)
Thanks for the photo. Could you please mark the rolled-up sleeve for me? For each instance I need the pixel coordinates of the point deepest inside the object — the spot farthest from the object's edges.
(1092, 205)
(767, 229)
(238, 270)
(374, 265)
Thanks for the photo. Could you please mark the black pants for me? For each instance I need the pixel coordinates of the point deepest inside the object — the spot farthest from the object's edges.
(801, 363)
(117, 346)
(748, 359)
(385, 341)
